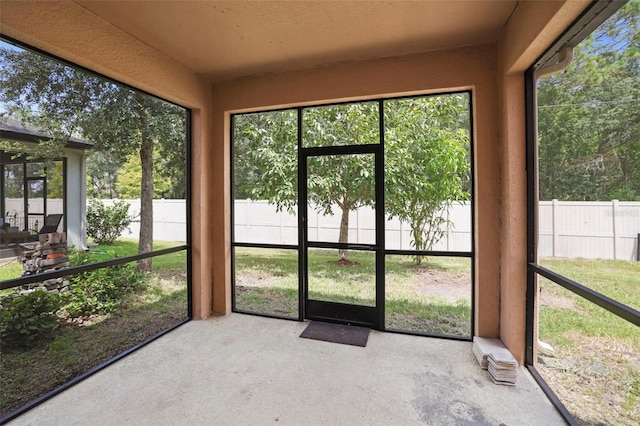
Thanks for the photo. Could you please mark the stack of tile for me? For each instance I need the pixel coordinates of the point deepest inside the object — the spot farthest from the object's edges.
(493, 356)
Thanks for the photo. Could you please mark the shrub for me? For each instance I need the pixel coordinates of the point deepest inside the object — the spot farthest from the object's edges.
(78, 257)
(106, 223)
(27, 317)
(100, 291)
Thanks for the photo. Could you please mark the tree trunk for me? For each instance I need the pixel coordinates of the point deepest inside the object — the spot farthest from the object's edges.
(145, 242)
(344, 231)
(417, 239)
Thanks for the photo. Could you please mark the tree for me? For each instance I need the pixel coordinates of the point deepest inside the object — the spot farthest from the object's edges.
(345, 181)
(130, 174)
(55, 184)
(588, 131)
(266, 162)
(427, 162)
(265, 152)
(66, 101)
(102, 173)
(133, 122)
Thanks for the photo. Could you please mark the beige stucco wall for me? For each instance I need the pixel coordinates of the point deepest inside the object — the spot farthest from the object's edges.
(531, 30)
(67, 30)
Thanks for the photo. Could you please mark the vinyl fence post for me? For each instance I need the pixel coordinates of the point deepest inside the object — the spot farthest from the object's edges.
(162, 209)
(554, 227)
(614, 217)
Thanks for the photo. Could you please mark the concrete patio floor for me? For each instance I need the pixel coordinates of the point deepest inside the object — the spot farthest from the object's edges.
(247, 370)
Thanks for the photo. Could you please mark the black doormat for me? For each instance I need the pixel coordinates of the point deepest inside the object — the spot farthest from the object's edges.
(337, 333)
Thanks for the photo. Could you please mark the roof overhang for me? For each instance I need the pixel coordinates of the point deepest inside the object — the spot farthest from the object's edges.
(13, 130)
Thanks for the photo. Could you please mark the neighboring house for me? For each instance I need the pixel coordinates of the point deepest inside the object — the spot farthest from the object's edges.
(28, 196)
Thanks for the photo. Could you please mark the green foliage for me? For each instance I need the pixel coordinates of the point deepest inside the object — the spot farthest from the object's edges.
(265, 153)
(106, 223)
(427, 163)
(100, 291)
(588, 126)
(55, 180)
(344, 180)
(102, 172)
(25, 318)
(47, 95)
(130, 175)
(65, 101)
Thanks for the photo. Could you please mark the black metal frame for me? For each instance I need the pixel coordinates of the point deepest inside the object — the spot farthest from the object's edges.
(25, 186)
(439, 253)
(587, 22)
(302, 256)
(532, 211)
(108, 263)
(381, 251)
(73, 270)
(345, 312)
(189, 212)
(39, 400)
(619, 309)
(234, 244)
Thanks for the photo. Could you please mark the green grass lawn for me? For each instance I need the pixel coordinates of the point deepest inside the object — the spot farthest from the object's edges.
(81, 344)
(10, 269)
(434, 298)
(595, 367)
(122, 247)
(617, 279)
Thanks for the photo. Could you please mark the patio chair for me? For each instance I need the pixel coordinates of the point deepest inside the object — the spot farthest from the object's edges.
(51, 223)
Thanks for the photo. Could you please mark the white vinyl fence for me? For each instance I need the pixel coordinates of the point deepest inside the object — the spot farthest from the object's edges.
(593, 230)
(571, 229)
(169, 220)
(259, 222)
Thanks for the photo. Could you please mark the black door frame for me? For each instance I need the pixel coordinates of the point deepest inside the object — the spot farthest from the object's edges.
(370, 316)
(6, 160)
